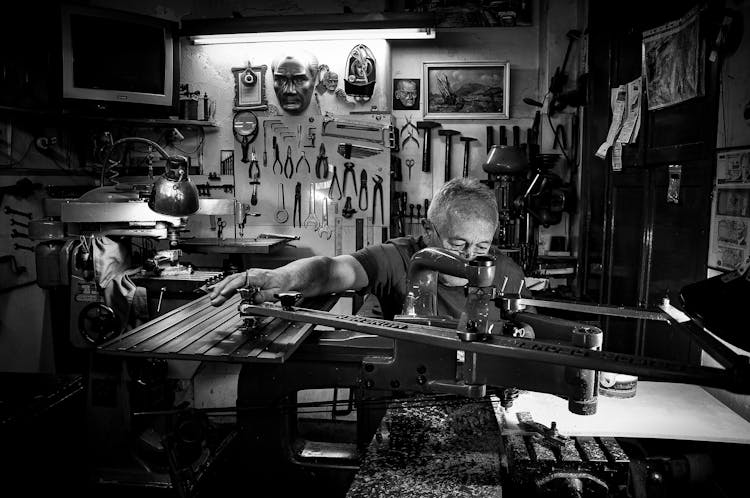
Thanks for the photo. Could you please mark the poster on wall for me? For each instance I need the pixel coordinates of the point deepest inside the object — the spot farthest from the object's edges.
(730, 212)
(673, 61)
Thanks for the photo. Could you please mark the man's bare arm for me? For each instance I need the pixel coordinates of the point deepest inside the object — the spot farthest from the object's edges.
(311, 276)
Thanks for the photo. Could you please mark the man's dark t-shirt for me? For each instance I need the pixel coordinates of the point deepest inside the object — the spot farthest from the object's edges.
(386, 266)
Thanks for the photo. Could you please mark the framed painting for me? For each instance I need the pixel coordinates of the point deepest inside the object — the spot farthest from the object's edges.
(466, 90)
(249, 87)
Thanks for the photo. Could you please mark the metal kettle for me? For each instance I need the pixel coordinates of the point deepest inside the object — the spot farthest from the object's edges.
(173, 193)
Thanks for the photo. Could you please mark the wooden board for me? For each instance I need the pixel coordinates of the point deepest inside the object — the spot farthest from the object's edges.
(659, 410)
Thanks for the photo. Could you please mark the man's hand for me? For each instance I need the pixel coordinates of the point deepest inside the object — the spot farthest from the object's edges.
(268, 281)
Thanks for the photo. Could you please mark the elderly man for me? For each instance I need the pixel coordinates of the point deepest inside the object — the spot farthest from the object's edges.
(462, 217)
(294, 78)
(407, 94)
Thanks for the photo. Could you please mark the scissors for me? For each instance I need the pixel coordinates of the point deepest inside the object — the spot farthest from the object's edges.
(220, 228)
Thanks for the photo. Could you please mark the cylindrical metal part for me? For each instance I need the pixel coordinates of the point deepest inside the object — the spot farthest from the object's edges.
(584, 383)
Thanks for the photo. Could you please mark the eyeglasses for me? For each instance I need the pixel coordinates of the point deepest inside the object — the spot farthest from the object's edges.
(462, 246)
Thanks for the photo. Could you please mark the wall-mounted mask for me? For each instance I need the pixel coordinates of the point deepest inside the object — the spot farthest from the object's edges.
(360, 75)
(294, 77)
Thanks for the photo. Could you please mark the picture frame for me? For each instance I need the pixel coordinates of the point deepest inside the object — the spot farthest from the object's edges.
(466, 90)
(406, 94)
(252, 95)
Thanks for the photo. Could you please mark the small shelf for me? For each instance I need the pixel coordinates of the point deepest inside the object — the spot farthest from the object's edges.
(76, 117)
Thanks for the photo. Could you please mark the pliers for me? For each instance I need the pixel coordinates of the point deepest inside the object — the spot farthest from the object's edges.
(335, 181)
(349, 171)
(377, 188)
(322, 163)
(276, 157)
(301, 159)
(288, 163)
(363, 190)
(297, 213)
(254, 166)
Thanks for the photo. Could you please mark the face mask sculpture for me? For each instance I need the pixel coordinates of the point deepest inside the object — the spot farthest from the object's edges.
(406, 94)
(360, 77)
(294, 80)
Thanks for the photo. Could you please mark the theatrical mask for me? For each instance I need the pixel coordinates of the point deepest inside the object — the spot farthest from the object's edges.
(294, 81)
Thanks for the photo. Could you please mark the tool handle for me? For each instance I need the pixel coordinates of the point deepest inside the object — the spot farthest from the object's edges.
(426, 151)
(516, 136)
(447, 157)
(465, 172)
(491, 137)
(503, 136)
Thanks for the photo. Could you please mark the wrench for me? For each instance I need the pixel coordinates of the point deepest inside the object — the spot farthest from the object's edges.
(311, 221)
(15, 223)
(16, 234)
(325, 230)
(10, 210)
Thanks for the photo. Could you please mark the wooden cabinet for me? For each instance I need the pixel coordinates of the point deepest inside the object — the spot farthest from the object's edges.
(637, 246)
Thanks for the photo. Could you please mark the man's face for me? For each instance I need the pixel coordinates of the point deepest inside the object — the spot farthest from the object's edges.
(293, 83)
(406, 93)
(468, 237)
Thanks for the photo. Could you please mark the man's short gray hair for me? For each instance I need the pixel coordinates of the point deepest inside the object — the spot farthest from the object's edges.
(468, 196)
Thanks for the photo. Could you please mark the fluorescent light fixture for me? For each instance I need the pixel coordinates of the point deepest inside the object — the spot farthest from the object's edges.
(321, 35)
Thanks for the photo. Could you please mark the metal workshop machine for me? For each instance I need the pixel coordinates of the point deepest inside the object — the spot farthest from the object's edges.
(416, 354)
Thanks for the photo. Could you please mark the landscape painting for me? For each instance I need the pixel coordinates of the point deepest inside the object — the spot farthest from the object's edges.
(466, 90)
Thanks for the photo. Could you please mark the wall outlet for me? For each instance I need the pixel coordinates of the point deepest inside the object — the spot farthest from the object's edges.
(6, 140)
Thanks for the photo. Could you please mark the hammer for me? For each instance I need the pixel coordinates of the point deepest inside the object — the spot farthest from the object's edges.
(427, 126)
(467, 147)
(448, 134)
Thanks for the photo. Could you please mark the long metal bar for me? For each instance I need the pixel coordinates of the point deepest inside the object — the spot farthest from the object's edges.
(595, 309)
(520, 349)
(715, 348)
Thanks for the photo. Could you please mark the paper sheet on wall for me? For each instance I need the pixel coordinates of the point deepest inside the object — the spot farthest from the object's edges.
(730, 211)
(632, 119)
(618, 98)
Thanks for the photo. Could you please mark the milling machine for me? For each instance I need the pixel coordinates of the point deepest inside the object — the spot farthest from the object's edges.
(416, 354)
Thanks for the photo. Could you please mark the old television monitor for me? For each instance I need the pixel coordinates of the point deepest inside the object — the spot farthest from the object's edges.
(119, 63)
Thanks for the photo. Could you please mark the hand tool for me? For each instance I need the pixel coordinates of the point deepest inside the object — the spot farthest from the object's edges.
(348, 150)
(335, 181)
(409, 124)
(363, 190)
(427, 126)
(396, 173)
(288, 163)
(491, 137)
(10, 210)
(226, 165)
(15, 234)
(282, 215)
(254, 196)
(467, 148)
(411, 219)
(321, 165)
(297, 211)
(15, 223)
(245, 130)
(377, 189)
(402, 213)
(220, 230)
(419, 213)
(267, 122)
(311, 221)
(516, 136)
(448, 134)
(503, 140)
(301, 159)
(254, 170)
(426, 207)
(410, 165)
(349, 172)
(348, 211)
(276, 159)
(409, 137)
(325, 230)
(18, 247)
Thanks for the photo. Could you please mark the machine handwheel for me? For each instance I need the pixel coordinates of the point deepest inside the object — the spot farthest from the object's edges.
(98, 323)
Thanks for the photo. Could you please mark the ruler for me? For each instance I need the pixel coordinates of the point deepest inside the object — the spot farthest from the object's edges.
(337, 235)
